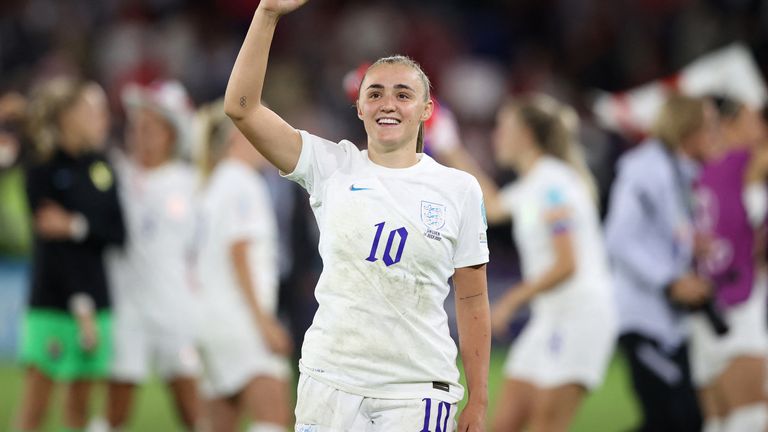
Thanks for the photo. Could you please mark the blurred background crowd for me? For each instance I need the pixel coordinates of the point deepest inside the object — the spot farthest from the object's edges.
(476, 53)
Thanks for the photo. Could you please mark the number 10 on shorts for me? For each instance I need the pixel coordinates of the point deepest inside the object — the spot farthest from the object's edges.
(443, 415)
(388, 260)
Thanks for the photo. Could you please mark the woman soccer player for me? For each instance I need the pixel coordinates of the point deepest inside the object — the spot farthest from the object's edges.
(394, 226)
(76, 215)
(244, 348)
(729, 369)
(565, 348)
(155, 314)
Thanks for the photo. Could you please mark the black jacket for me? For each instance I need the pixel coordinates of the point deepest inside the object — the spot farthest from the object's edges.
(61, 268)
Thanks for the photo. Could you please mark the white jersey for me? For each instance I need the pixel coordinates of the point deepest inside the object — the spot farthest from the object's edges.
(553, 186)
(150, 275)
(390, 239)
(235, 206)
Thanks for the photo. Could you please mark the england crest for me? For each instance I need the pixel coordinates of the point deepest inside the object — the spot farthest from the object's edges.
(433, 215)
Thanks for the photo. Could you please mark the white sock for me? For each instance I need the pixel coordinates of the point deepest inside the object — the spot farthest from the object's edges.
(97, 424)
(265, 427)
(713, 424)
(750, 418)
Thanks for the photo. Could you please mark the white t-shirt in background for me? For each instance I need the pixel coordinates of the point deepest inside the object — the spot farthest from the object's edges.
(235, 206)
(553, 186)
(150, 276)
(390, 239)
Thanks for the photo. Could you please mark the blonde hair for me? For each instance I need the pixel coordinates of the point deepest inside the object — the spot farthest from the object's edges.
(406, 61)
(48, 101)
(679, 117)
(554, 127)
(215, 132)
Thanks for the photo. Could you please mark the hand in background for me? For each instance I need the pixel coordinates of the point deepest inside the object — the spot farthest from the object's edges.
(53, 222)
(690, 290)
(276, 336)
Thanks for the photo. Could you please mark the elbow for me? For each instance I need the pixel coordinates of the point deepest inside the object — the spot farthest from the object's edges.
(495, 214)
(568, 268)
(233, 110)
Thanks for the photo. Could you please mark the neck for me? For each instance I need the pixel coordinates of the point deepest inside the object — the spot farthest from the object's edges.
(402, 157)
(70, 146)
(526, 161)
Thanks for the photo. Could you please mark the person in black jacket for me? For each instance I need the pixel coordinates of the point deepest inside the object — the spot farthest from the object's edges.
(76, 214)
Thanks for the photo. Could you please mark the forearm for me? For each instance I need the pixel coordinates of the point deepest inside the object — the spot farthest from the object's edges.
(474, 322)
(460, 159)
(239, 255)
(473, 318)
(246, 82)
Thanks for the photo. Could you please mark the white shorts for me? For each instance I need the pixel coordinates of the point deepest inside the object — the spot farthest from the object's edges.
(322, 408)
(140, 347)
(574, 347)
(747, 336)
(231, 360)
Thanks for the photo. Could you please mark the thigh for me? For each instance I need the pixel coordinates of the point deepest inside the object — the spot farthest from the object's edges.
(513, 406)
(267, 400)
(742, 382)
(175, 355)
(554, 408)
(322, 408)
(424, 415)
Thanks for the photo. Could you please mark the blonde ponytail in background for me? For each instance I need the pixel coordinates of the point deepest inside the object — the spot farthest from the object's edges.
(48, 101)
(555, 128)
(216, 130)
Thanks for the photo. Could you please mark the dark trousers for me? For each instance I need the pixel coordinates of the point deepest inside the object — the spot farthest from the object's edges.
(662, 383)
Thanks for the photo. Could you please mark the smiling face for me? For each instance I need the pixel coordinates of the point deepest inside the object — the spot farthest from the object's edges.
(392, 104)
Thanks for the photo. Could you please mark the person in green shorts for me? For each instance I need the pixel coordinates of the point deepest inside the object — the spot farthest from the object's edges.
(76, 214)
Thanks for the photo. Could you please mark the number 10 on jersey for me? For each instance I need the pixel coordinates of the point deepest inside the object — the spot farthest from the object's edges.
(387, 256)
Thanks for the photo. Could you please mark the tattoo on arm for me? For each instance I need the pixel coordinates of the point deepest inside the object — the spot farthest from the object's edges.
(469, 297)
(243, 101)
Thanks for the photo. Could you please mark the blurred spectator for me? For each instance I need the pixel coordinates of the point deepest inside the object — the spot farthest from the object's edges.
(155, 312)
(650, 239)
(244, 346)
(729, 370)
(73, 196)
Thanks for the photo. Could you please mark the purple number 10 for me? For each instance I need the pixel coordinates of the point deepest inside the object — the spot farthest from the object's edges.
(428, 414)
(402, 232)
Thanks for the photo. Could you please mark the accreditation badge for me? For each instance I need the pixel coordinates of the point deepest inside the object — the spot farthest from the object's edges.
(101, 176)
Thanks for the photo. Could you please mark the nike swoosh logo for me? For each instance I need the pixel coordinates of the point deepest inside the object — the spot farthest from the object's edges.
(355, 189)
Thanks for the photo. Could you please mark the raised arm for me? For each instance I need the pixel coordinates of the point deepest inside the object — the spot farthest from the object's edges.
(271, 135)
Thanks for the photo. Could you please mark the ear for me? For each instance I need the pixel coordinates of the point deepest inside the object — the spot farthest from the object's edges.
(429, 108)
(359, 111)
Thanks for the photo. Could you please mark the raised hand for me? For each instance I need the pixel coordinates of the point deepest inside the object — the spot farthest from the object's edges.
(280, 7)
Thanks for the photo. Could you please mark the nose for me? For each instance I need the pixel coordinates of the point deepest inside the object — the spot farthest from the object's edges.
(387, 104)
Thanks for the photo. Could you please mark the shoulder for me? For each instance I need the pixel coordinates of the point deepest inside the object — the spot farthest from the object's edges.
(318, 143)
(636, 163)
(451, 177)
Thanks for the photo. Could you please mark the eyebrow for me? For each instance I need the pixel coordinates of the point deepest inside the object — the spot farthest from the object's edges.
(397, 86)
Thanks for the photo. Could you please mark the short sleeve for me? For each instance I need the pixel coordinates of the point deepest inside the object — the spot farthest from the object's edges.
(508, 196)
(318, 160)
(248, 215)
(472, 244)
(556, 206)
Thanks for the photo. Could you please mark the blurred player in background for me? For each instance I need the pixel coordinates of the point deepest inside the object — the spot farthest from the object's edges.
(155, 315)
(565, 349)
(394, 227)
(72, 194)
(244, 347)
(651, 243)
(729, 369)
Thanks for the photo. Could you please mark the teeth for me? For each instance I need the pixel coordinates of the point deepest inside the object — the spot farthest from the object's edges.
(388, 121)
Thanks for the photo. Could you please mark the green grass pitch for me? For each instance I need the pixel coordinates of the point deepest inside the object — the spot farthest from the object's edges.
(611, 408)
